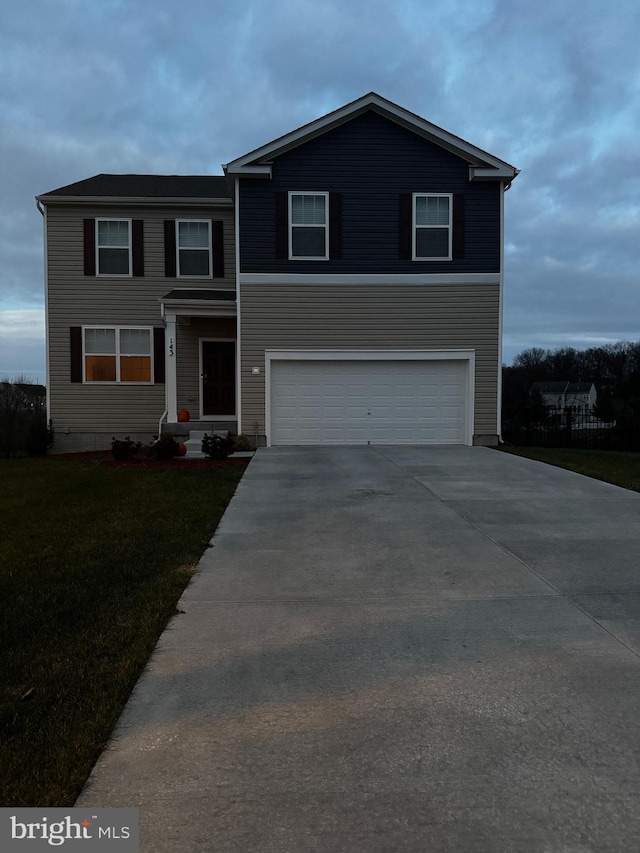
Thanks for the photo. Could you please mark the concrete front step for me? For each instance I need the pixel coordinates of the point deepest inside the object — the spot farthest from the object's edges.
(194, 442)
(181, 429)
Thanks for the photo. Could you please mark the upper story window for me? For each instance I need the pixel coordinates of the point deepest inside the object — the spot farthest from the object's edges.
(309, 226)
(432, 226)
(193, 241)
(113, 246)
(117, 354)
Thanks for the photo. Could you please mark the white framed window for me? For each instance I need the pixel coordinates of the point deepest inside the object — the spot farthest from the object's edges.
(113, 247)
(309, 226)
(194, 250)
(432, 226)
(117, 354)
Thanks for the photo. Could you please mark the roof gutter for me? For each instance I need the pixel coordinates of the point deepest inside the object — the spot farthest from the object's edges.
(507, 185)
(142, 200)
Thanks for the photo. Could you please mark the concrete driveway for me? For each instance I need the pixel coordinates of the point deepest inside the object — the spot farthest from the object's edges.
(396, 649)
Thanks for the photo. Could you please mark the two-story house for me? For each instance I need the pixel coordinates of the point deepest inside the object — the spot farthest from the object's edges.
(580, 397)
(339, 285)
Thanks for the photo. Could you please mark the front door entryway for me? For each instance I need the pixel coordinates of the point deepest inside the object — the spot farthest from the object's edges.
(218, 378)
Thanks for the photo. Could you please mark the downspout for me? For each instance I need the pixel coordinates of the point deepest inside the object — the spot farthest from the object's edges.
(238, 323)
(503, 189)
(505, 186)
(166, 408)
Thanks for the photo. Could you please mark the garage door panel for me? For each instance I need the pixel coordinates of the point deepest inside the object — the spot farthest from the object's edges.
(361, 401)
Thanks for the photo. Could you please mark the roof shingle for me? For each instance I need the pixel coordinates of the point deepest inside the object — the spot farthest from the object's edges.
(147, 186)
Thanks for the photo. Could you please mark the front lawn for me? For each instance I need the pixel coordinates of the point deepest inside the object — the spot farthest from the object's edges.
(619, 468)
(92, 563)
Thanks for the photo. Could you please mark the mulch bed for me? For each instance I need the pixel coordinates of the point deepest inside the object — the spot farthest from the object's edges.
(104, 457)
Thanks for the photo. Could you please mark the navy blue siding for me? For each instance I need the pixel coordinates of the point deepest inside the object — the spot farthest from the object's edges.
(371, 161)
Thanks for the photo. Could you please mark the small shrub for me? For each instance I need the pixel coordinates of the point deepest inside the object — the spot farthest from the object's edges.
(124, 448)
(216, 447)
(165, 446)
(241, 442)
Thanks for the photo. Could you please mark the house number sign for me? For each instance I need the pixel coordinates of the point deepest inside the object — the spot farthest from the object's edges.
(171, 346)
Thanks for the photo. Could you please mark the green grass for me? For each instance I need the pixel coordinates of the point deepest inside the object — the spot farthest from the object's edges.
(92, 563)
(621, 469)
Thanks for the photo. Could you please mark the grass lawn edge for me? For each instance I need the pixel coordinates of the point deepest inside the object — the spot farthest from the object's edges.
(93, 566)
(619, 468)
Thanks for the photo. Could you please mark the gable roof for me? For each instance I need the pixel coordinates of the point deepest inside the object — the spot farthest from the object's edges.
(482, 165)
(144, 187)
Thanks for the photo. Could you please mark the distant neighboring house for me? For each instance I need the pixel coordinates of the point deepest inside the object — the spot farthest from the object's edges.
(580, 397)
(34, 396)
(341, 284)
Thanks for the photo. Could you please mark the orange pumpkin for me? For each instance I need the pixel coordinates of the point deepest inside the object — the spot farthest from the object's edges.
(182, 449)
(184, 415)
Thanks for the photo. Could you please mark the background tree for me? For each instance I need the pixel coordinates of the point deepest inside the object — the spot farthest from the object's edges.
(533, 363)
(537, 407)
(613, 368)
(604, 408)
(23, 421)
(13, 408)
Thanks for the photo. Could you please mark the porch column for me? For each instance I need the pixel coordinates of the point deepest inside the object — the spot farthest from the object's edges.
(171, 377)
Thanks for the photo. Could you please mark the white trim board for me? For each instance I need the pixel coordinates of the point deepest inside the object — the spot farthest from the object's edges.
(366, 278)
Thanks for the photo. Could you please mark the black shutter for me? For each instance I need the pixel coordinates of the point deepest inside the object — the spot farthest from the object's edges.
(137, 246)
(405, 224)
(458, 226)
(170, 248)
(217, 231)
(282, 225)
(89, 247)
(158, 354)
(335, 225)
(75, 349)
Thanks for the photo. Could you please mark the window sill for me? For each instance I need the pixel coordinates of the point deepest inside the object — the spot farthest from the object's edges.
(108, 382)
(112, 275)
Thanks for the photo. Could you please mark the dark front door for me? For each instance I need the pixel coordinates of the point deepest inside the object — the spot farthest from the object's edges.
(218, 378)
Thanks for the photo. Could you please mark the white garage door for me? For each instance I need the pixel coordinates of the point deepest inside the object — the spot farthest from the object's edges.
(377, 402)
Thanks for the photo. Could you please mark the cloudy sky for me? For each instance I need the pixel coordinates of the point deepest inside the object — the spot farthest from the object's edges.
(156, 86)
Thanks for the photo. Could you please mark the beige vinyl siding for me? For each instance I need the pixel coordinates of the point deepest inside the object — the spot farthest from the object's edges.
(391, 316)
(75, 300)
